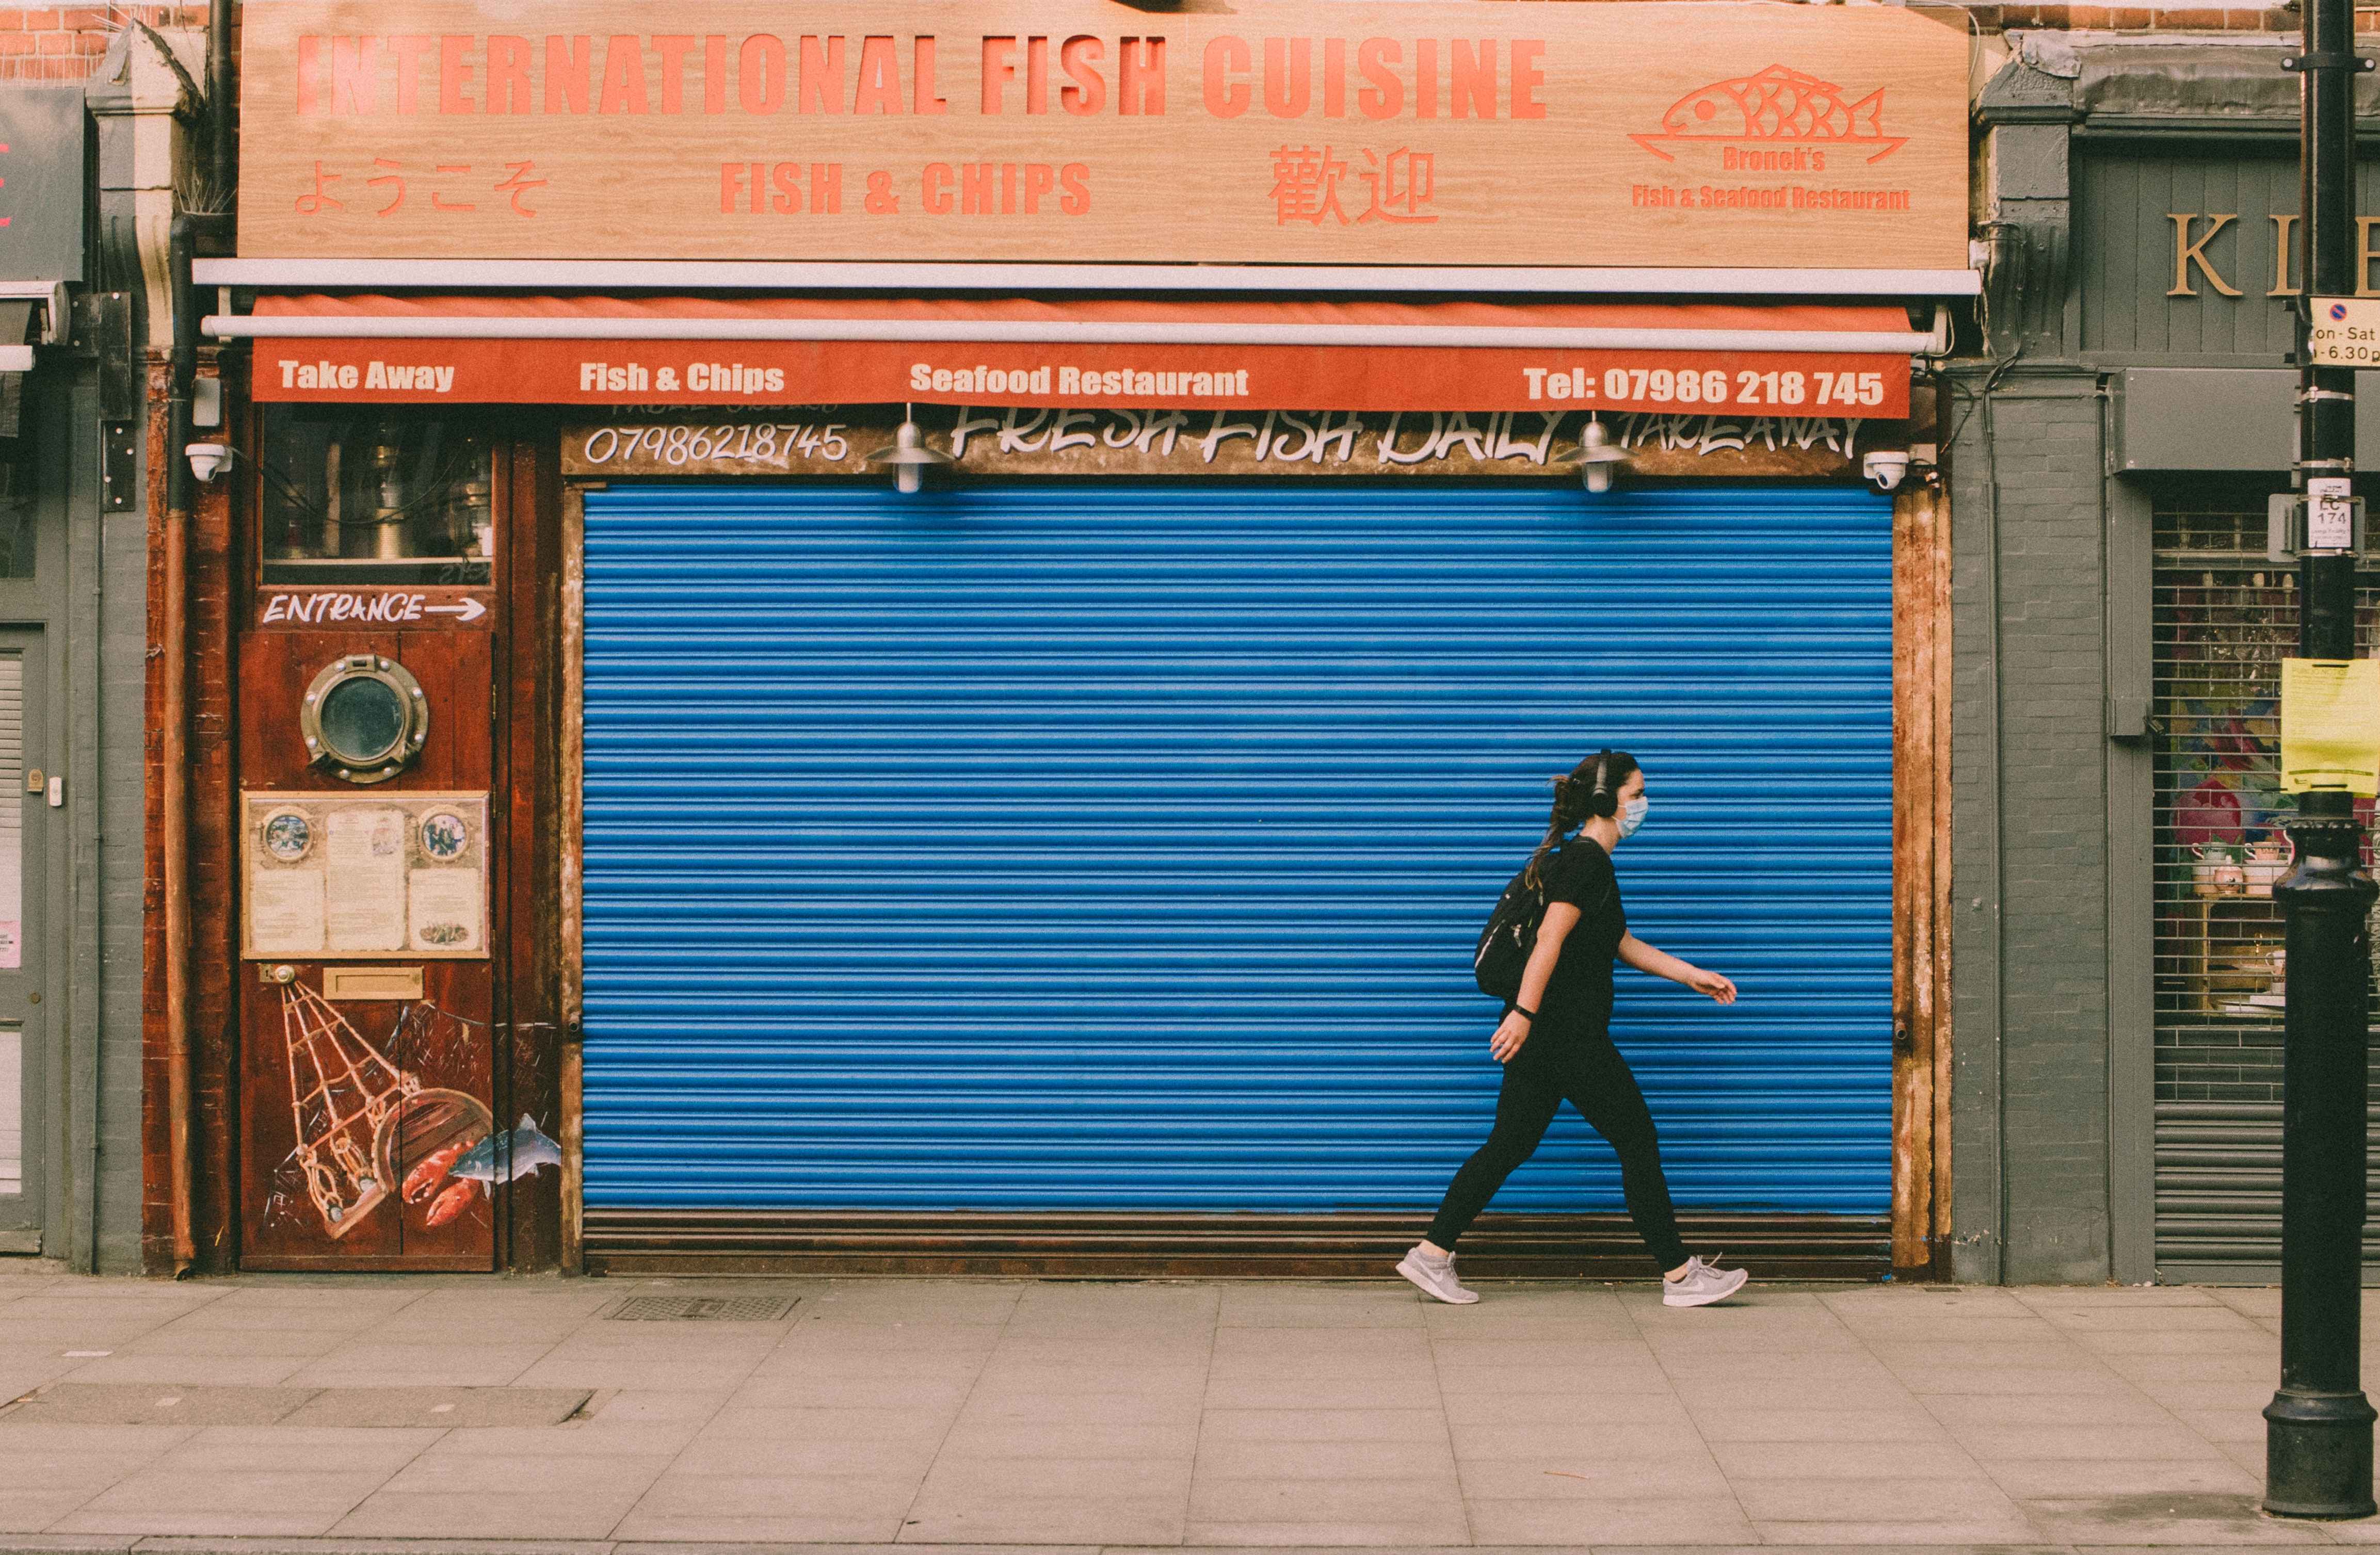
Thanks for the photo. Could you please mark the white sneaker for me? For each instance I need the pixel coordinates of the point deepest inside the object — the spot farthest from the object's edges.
(1436, 1276)
(1701, 1284)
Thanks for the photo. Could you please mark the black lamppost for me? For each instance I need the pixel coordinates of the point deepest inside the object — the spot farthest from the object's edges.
(2318, 1430)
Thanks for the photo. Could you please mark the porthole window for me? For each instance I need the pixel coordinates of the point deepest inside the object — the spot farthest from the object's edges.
(365, 718)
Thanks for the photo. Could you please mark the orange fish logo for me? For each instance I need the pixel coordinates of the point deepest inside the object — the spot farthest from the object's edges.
(1775, 104)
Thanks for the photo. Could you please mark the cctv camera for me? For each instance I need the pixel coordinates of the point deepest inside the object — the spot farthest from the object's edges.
(207, 459)
(1885, 467)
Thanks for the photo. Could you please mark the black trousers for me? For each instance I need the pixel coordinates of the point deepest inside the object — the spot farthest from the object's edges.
(1588, 1073)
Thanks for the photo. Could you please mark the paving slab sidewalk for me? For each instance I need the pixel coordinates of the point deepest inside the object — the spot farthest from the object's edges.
(448, 1415)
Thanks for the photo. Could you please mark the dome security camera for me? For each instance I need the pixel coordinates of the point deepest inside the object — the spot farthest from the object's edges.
(208, 459)
(1885, 467)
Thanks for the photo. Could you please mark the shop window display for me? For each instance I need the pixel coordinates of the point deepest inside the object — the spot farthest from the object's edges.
(2226, 616)
(367, 495)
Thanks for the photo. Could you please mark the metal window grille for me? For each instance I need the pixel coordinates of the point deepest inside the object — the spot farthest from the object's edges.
(2225, 618)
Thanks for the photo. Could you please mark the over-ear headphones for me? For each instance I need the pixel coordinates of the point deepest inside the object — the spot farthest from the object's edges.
(1602, 802)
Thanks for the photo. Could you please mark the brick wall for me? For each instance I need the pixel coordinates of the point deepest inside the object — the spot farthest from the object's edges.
(2150, 18)
(61, 43)
(2146, 18)
(2219, 1062)
(64, 43)
(2029, 1095)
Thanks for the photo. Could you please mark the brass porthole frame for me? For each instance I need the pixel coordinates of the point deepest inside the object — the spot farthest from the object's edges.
(413, 732)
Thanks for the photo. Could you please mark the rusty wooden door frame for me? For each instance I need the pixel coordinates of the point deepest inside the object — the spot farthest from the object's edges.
(1921, 881)
(573, 769)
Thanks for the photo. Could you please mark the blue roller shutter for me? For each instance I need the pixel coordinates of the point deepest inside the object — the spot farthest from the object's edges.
(1087, 846)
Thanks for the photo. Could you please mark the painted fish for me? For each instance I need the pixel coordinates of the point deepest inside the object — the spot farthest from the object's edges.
(1776, 103)
(423, 1179)
(451, 1203)
(508, 1154)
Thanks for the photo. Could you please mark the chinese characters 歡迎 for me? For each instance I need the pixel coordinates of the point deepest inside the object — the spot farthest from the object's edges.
(1400, 201)
(516, 184)
(1306, 186)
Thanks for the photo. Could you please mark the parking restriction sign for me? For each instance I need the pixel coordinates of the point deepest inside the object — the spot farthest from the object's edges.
(2345, 332)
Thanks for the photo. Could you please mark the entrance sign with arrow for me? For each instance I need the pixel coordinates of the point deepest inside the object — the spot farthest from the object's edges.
(369, 607)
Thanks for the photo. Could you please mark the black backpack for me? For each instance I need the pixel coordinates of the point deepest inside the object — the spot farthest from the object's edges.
(1510, 935)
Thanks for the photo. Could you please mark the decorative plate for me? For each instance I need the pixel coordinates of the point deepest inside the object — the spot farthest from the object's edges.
(287, 835)
(443, 836)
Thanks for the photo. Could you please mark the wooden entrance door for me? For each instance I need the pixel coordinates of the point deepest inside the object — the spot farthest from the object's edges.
(369, 1139)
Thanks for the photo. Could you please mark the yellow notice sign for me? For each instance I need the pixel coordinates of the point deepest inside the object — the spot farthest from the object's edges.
(2331, 725)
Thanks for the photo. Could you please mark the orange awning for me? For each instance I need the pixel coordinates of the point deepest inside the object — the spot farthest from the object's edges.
(1788, 359)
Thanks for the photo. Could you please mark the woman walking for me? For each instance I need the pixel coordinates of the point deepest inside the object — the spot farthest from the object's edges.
(1555, 1039)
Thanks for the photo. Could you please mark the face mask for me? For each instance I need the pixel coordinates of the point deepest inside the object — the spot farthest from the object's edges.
(1632, 815)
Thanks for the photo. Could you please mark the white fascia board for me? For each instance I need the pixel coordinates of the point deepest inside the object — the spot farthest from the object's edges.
(298, 326)
(1302, 280)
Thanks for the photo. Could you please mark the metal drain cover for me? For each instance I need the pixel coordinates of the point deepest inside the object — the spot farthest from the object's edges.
(703, 1309)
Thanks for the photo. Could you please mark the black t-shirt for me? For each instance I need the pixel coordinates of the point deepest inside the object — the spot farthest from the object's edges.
(1578, 997)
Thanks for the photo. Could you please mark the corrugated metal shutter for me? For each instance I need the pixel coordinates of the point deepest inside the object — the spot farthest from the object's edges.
(12, 915)
(1115, 847)
(2224, 618)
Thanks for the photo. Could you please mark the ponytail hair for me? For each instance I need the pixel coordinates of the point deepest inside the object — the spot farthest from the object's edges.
(1587, 791)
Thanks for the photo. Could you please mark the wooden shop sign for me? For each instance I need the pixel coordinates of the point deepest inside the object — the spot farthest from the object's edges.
(1725, 134)
(1026, 441)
